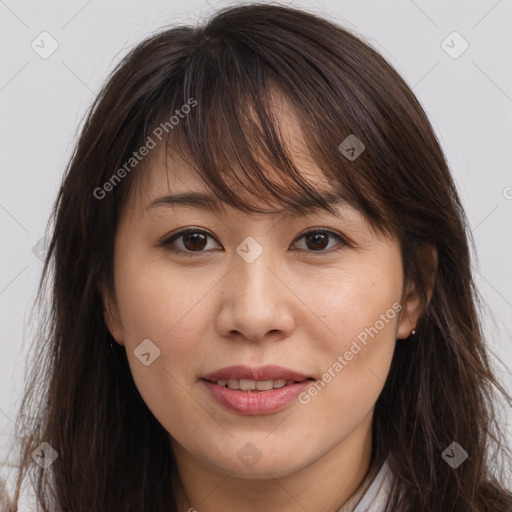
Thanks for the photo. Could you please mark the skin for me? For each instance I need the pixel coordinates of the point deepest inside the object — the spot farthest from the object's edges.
(293, 306)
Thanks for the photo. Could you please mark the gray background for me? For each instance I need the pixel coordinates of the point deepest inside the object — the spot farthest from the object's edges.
(468, 100)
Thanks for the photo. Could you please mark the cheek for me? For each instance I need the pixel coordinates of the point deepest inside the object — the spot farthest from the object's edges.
(159, 304)
(172, 310)
(362, 303)
(166, 309)
(355, 341)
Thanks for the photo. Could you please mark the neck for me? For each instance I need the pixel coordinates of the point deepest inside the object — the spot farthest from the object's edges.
(335, 477)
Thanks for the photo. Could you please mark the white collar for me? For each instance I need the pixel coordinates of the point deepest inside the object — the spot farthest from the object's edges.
(374, 498)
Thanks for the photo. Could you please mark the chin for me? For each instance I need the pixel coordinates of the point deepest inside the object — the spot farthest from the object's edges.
(264, 466)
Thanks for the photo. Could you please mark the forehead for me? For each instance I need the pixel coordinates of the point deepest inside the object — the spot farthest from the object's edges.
(184, 188)
(166, 173)
(174, 175)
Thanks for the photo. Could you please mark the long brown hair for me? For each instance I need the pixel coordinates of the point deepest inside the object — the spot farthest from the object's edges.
(113, 455)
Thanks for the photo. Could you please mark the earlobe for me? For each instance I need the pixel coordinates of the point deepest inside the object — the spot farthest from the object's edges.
(410, 314)
(413, 305)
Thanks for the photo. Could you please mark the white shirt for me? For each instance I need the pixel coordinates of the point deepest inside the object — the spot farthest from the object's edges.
(375, 497)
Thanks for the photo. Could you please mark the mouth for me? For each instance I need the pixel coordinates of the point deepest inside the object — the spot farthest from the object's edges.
(255, 397)
(256, 386)
(256, 390)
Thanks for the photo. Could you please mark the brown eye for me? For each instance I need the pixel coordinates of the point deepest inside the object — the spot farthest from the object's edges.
(317, 241)
(194, 241)
(188, 241)
(320, 240)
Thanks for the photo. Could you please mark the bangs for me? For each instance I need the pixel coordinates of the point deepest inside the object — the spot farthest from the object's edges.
(233, 136)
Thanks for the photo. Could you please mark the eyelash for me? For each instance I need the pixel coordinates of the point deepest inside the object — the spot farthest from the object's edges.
(168, 242)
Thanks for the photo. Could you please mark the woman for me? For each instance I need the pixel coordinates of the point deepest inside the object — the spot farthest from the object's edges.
(261, 291)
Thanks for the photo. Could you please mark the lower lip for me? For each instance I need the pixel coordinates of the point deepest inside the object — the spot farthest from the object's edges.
(256, 402)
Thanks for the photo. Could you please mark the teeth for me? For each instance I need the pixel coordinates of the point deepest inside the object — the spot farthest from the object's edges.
(247, 385)
(233, 384)
(252, 385)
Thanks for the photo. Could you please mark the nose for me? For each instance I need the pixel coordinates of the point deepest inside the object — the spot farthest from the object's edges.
(256, 301)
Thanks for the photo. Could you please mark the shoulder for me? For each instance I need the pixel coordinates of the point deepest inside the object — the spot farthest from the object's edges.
(375, 498)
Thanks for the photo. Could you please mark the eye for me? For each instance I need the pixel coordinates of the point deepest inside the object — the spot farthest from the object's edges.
(318, 240)
(190, 240)
(195, 240)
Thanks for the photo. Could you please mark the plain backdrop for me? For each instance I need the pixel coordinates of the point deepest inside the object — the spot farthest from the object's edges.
(466, 94)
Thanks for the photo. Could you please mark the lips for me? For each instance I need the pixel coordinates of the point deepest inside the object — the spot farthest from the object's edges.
(269, 372)
(264, 390)
(256, 402)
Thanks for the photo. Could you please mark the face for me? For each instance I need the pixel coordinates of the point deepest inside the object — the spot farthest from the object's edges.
(255, 290)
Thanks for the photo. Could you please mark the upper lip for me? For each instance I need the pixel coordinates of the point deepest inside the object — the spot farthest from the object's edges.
(269, 372)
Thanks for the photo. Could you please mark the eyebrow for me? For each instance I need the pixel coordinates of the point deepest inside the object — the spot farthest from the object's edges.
(213, 204)
(192, 199)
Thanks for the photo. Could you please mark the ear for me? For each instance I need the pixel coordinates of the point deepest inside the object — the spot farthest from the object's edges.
(111, 313)
(413, 305)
